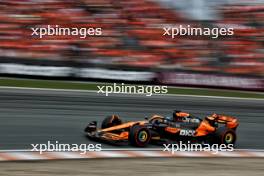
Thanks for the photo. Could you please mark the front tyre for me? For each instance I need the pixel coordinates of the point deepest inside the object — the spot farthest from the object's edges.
(139, 136)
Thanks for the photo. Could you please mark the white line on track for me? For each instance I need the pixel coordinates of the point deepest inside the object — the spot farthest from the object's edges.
(94, 91)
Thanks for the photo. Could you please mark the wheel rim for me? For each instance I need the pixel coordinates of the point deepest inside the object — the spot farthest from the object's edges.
(143, 136)
(229, 138)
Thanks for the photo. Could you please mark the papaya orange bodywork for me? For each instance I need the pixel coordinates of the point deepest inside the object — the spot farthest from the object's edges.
(230, 121)
(172, 130)
(204, 129)
(116, 137)
(122, 126)
(123, 135)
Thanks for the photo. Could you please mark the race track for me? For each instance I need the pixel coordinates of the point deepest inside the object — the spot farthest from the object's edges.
(135, 167)
(36, 116)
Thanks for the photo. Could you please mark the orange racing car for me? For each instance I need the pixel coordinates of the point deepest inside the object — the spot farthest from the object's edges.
(182, 126)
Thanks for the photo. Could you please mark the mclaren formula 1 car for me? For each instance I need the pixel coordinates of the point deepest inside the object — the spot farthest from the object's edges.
(220, 129)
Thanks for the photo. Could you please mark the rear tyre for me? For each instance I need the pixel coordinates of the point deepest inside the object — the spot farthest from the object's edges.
(139, 136)
(110, 121)
(225, 135)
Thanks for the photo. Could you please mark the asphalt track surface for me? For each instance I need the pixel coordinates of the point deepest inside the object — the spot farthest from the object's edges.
(36, 116)
(150, 166)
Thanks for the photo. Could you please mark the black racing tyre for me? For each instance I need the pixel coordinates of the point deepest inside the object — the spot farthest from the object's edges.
(225, 135)
(110, 121)
(139, 136)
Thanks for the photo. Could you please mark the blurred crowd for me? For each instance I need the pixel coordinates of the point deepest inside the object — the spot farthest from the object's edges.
(132, 35)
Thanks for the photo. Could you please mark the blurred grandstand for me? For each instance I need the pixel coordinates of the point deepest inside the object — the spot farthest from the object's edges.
(132, 36)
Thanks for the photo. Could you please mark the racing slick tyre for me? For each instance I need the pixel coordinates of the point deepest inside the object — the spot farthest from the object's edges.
(110, 121)
(225, 135)
(139, 136)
